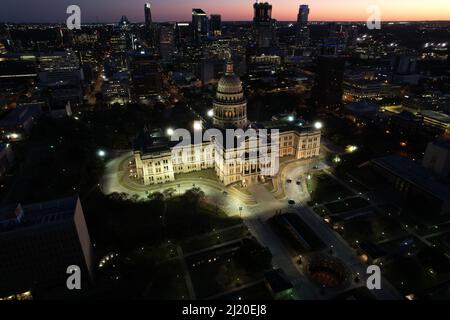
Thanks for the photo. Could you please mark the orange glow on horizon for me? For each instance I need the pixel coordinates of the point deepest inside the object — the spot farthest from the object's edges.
(320, 10)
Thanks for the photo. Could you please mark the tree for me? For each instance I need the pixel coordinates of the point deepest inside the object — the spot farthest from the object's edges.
(193, 197)
(160, 201)
(168, 193)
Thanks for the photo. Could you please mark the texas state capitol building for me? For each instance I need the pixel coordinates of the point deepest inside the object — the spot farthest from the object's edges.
(158, 159)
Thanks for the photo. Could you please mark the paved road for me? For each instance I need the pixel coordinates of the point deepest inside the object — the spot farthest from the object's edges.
(256, 221)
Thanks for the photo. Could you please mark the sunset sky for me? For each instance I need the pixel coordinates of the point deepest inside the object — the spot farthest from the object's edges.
(176, 10)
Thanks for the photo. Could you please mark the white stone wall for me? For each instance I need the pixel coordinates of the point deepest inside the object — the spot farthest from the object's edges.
(230, 165)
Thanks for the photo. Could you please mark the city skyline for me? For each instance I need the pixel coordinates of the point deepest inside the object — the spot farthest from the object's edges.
(46, 11)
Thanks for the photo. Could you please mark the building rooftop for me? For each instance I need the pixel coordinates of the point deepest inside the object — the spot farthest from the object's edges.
(198, 11)
(18, 115)
(415, 174)
(443, 143)
(362, 107)
(439, 116)
(15, 217)
(152, 141)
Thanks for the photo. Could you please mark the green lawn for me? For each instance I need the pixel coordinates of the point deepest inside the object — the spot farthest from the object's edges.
(215, 238)
(228, 267)
(168, 283)
(323, 189)
(347, 205)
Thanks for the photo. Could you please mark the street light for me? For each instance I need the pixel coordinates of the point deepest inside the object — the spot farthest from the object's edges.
(318, 125)
(169, 131)
(210, 113)
(351, 148)
(337, 159)
(198, 125)
(101, 153)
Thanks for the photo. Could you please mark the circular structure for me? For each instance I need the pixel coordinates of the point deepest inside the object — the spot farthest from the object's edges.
(229, 84)
(230, 105)
(327, 271)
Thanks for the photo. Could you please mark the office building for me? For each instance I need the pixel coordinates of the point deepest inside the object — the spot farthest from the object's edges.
(263, 25)
(437, 122)
(200, 24)
(216, 25)
(329, 77)
(148, 15)
(39, 242)
(302, 36)
(146, 79)
(166, 41)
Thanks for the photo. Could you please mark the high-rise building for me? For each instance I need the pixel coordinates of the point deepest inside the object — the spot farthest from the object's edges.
(39, 242)
(216, 25)
(146, 79)
(183, 33)
(302, 26)
(263, 25)
(166, 41)
(124, 23)
(118, 42)
(148, 15)
(329, 78)
(303, 13)
(199, 24)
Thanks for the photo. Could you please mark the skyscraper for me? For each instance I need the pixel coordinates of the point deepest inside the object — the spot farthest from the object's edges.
(166, 40)
(148, 15)
(216, 24)
(302, 26)
(146, 79)
(199, 24)
(303, 13)
(329, 77)
(263, 25)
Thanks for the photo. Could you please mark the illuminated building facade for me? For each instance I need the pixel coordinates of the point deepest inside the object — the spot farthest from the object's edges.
(159, 161)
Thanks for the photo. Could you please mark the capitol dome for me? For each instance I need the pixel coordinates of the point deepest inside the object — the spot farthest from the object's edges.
(229, 83)
(229, 87)
(230, 105)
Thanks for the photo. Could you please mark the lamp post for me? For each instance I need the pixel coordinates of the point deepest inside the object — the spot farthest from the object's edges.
(240, 212)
